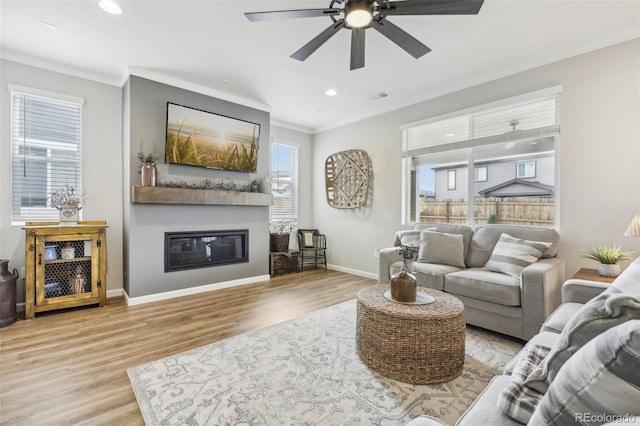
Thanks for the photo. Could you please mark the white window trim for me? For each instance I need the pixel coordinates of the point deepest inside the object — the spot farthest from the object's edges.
(297, 145)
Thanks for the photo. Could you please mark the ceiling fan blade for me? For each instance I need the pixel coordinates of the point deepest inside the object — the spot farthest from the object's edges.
(305, 51)
(290, 14)
(400, 37)
(434, 7)
(357, 48)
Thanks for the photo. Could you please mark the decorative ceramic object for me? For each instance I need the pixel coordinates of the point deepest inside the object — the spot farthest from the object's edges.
(68, 252)
(149, 174)
(7, 294)
(608, 270)
(403, 287)
(77, 282)
(69, 214)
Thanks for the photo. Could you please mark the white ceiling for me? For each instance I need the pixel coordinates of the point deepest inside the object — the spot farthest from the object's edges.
(211, 46)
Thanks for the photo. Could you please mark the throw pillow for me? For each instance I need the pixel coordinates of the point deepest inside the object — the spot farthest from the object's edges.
(628, 281)
(601, 382)
(307, 238)
(517, 400)
(441, 248)
(595, 317)
(405, 236)
(511, 255)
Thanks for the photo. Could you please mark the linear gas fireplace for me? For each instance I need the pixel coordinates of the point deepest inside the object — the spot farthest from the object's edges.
(200, 249)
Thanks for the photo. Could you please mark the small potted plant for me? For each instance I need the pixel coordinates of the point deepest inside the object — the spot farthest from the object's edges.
(68, 202)
(148, 165)
(608, 258)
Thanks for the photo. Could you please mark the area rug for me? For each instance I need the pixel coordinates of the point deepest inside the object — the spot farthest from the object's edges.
(303, 372)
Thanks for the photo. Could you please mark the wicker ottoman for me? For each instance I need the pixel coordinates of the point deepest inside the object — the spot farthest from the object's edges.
(417, 344)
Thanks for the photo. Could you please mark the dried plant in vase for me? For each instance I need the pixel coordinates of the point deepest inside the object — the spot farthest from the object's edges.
(68, 202)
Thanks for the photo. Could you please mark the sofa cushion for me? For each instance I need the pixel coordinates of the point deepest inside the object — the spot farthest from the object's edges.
(598, 315)
(441, 248)
(545, 339)
(484, 285)
(428, 275)
(464, 230)
(485, 237)
(559, 318)
(484, 410)
(511, 255)
(601, 379)
(406, 236)
(516, 400)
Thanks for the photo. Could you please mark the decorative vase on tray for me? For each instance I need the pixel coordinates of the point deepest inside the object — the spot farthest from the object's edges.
(404, 284)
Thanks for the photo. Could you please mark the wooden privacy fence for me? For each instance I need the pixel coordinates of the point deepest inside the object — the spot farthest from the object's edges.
(514, 211)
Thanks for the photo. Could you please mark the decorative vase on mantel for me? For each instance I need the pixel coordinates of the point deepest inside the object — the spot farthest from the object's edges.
(404, 284)
(609, 270)
(149, 174)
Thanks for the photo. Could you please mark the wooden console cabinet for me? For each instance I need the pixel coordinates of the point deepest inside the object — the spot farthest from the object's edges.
(66, 265)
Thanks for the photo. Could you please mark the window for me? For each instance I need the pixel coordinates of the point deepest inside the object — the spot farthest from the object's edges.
(284, 181)
(479, 174)
(526, 169)
(46, 150)
(460, 168)
(451, 179)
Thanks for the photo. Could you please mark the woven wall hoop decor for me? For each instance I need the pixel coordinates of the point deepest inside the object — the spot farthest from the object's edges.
(347, 178)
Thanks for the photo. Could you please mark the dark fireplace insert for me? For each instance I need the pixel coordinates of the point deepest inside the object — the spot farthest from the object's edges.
(201, 249)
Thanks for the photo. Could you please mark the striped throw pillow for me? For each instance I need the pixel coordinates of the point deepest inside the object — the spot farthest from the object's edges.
(511, 255)
(599, 383)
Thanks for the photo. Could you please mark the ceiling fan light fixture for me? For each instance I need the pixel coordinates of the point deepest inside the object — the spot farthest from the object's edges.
(358, 14)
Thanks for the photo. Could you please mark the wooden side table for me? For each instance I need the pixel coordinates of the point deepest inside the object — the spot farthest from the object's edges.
(592, 275)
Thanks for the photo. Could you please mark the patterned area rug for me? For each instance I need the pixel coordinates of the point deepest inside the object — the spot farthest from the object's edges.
(304, 372)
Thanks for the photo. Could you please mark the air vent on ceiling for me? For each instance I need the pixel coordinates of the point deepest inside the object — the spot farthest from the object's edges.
(378, 96)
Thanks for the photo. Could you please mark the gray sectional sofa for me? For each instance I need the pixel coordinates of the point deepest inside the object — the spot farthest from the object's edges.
(515, 304)
(583, 367)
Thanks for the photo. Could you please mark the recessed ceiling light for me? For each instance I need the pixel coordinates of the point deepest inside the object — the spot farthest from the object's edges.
(50, 26)
(450, 135)
(331, 92)
(110, 6)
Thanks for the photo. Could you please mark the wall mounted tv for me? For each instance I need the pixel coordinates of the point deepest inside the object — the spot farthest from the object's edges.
(205, 139)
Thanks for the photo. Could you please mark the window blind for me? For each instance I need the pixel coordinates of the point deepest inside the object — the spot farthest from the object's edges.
(523, 120)
(46, 151)
(284, 181)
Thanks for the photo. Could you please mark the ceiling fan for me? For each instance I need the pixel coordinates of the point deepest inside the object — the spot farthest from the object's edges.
(359, 15)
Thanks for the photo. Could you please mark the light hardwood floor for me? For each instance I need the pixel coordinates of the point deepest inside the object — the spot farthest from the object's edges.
(67, 368)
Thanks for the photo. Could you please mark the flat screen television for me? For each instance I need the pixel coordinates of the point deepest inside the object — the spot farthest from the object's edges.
(205, 139)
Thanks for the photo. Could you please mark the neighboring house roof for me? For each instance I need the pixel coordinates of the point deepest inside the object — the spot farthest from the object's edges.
(518, 188)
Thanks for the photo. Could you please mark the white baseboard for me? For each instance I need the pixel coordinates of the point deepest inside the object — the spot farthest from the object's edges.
(353, 271)
(132, 301)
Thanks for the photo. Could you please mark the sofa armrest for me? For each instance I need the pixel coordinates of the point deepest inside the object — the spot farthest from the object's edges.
(581, 291)
(386, 257)
(540, 287)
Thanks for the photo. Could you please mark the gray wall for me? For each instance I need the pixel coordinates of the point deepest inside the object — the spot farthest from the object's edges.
(101, 156)
(145, 107)
(599, 157)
